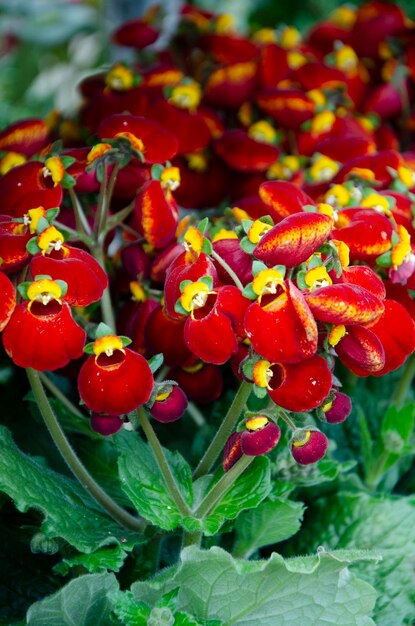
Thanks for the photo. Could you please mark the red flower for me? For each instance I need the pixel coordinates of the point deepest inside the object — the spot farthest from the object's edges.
(115, 380)
(7, 299)
(283, 198)
(308, 445)
(202, 382)
(155, 214)
(259, 437)
(169, 405)
(244, 153)
(344, 303)
(105, 424)
(41, 332)
(25, 137)
(29, 186)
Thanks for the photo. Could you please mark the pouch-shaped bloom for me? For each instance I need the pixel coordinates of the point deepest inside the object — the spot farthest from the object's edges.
(308, 445)
(25, 136)
(366, 232)
(105, 424)
(230, 85)
(283, 198)
(13, 239)
(300, 386)
(282, 329)
(201, 382)
(41, 332)
(294, 239)
(344, 303)
(260, 436)
(338, 409)
(28, 186)
(361, 351)
(115, 380)
(170, 404)
(155, 214)
(7, 299)
(244, 153)
(288, 107)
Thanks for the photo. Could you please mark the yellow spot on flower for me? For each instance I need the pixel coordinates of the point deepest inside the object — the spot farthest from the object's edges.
(136, 143)
(107, 345)
(11, 160)
(337, 195)
(326, 209)
(137, 291)
(120, 78)
(361, 172)
(346, 59)
(32, 218)
(377, 202)
(322, 122)
(263, 131)
(406, 176)
(44, 290)
(97, 151)
(385, 50)
(295, 59)
(186, 96)
(289, 37)
(285, 168)
(326, 407)
(197, 161)
(192, 369)
(323, 169)
(300, 443)
(239, 214)
(224, 233)
(336, 333)
(256, 423)
(265, 35)
(262, 373)
(54, 168)
(343, 251)
(344, 16)
(257, 230)
(193, 240)
(194, 296)
(170, 178)
(50, 239)
(224, 23)
(267, 281)
(317, 96)
(402, 249)
(163, 396)
(317, 277)
(245, 114)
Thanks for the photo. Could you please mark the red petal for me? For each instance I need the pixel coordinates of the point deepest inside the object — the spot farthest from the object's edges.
(211, 338)
(135, 34)
(26, 137)
(162, 334)
(244, 154)
(368, 234)
(396, 331)
(190, 129)
(231, 85)
(24, 187)
(202, 384)
(344, 303)
(7, 299)
(288, 107)
(155, 214)
(254, 443)
(284, 198)
(363, 276)
(294, 239)
(361, 351)
(301, 386)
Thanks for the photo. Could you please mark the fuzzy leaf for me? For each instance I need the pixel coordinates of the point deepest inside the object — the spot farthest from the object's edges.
(110, 558)
(144, 485)
(83, 601)
(310, 590)
(272, 521)
(69, 512)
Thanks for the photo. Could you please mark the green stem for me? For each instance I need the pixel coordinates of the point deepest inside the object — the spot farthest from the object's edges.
(102, 204)
(77, 468)
(375, 474)
(405, 382)
(105, 302)
(162, 463)
(283, 415)
(227, 269)
(218, 442)
(192, 539)
(216, 494)
(82, 224)
(59, 395)
(195, 414)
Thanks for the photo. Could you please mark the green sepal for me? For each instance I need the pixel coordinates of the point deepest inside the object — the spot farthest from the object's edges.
(247, 367)
(156, 362)
(398, 185)
(184, 283)
(385, 260)
(249, 293)
(309, 208)
(67, 161)
(22, 289)
(246, 225)
(207, 246)
(315, 261)
(103, 330)
(68, 181)
(63, 285)
(32, 246)
(247, 246)
(42, 277)
(300, 278)
(89, 348)
(207, 280)
(52, 214)
(125, 340)
(395, 238)
(180, 309)
(203, 224)
(258, 266)
(54, 150)
(156, 171)
(260, 392)
(42, 225)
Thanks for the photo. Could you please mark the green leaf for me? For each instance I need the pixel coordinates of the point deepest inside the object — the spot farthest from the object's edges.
(82, 602)
(272, 521)
(52, 214)
(397, 426)
(310, 591)
(129, 611)
(111, 558)
(69, 512)
(156, 362)
(247, 246)
(144, 485)
(383, 523)
(32, 246)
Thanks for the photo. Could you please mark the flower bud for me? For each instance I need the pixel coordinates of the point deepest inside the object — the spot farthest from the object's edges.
(308, 445)
(169, 405)
(339, 409)
(105, 424)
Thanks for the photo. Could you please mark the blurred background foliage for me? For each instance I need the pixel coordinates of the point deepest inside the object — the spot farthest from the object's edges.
(47, 46)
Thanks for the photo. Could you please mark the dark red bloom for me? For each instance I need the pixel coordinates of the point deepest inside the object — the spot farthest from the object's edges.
(344, 303)
(25, 137)
(338, 409)
(29, 186)
(135, 33)
(155, 214)
(7, 299)
(105, 424)
(308, 445)
(202, 382)
(244, 153)
(259, 437)
(283, 198)
(170, 405)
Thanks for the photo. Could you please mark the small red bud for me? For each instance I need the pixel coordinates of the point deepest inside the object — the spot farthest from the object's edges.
(339, 410)
(169, 406)
(260, 436)
(308, 445)
(105, 424)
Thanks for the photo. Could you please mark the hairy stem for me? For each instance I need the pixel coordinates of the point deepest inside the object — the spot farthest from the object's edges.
(82, 224)
(59, 395)
(162, 463)
(227, 269)
(218, 442)
(215, 495)
(75, 465)
(405, 382)
(105, 302)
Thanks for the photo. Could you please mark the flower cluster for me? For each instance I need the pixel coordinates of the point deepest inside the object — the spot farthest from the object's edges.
(299, 151)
